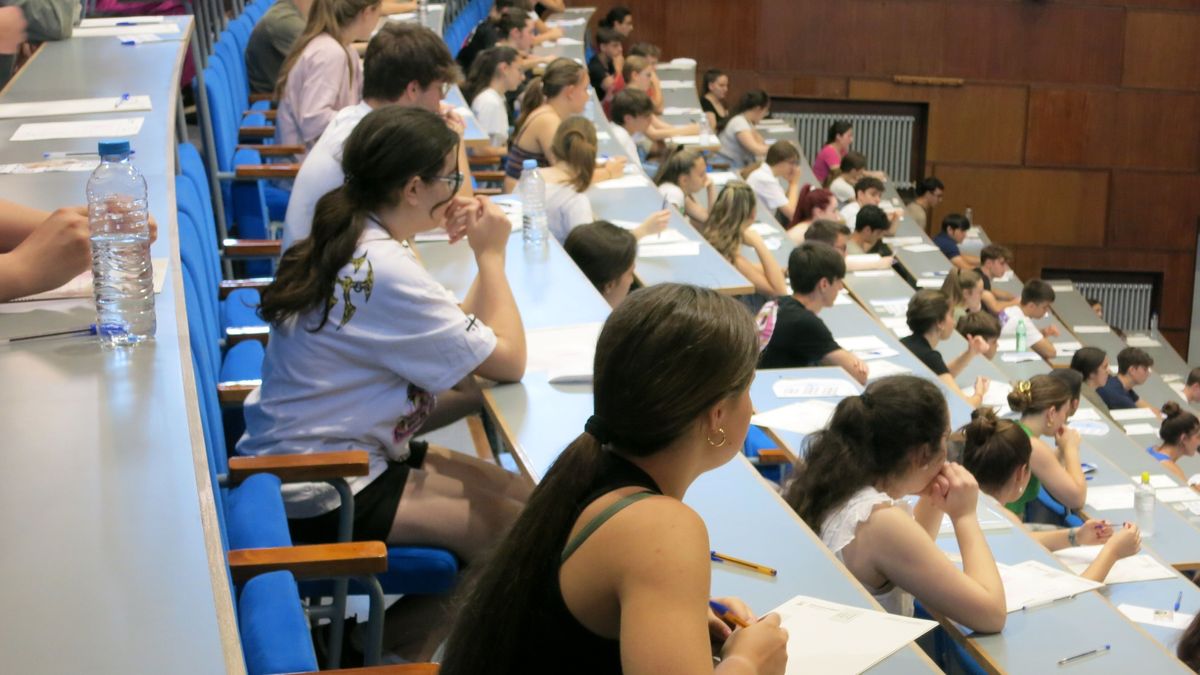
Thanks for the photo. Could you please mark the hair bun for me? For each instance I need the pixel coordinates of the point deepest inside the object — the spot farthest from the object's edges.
(1171, 409)
(1021, 396)
(982, 426)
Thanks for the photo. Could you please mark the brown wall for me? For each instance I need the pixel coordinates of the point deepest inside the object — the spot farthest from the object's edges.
(1075, 137)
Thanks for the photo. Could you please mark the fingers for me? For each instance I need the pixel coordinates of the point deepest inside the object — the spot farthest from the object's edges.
(771, 619)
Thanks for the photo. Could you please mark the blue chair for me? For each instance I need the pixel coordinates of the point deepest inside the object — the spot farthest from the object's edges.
(1051, 507)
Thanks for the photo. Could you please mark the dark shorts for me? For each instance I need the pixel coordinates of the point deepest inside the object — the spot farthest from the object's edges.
(374, 506)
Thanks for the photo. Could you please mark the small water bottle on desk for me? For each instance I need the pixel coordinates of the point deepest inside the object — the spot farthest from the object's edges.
(706, 131)
(423, 12)
(1143, 505)
(120, 234)
(532, 189)
(1022, 339)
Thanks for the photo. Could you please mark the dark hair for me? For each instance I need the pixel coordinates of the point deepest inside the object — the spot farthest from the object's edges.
(929, 184)
(755, 98)
(853, 161)
(837, 129)
(679, 162)
(1188, 650)
(926, 308)
(602, 251)
(871, 217)
(1092, 302)
(645, 49)
(1193, 377)
(1176, 423)
(511, 19)
(647, 392)
(896, 421)
(825, 231)
(388, 148)
(993, 449)
(615, 16)
(995, 252)
(560, 74)
(867, 183)
(810, 199)
(1035, 291)
(630, 103)
(1071, 378)
(1087, 360)
(1131, 357)
(405, 52)
(483, 70)
(781, 152)
(710, 76)
(575, 146)
(813, 261)
(955, 221)
(1038, 393)
(983, 324)
(606, 35)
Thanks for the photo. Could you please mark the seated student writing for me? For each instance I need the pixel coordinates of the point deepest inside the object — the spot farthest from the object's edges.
(881, 446)
(680, 176)
(632, 112)
(870, 227)
(993, 264)
(981, 325)
(555, 95)
(1133, 369)
(1180, 434)
(1036, 299)
(998, 453)
(741, 144)
(931, 321)
(954, 233)
(835, 234)
(800, 339)
(638, 73)
(929, 194)
(493, 75)
(1044, 404)
(782, 162)
(568, 178)
(812, 204)
(607, 569)
(854, 167)
(606, 254)
(40, 251)
(868, 191)
(1191, 386)
(964, 288)
(729, 227)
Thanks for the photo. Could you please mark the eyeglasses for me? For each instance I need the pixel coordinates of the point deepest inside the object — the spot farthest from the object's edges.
(454, 179)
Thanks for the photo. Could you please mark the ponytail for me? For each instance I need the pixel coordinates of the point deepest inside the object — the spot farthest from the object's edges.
(325, 17)
(532, 99)
(575, 145)
(483, 70)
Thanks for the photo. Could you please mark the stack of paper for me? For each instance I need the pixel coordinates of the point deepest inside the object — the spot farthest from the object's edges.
(1143, 341)
(1126, 570)
(898, 325)
(1176, 494)
(802, 418)
(75, 106)
(897, 307)
(921, 248)
(1092, 329)
(1019, 357)
(866, 347)
(52, 165)
(564, 354)
(1032, 583)
(160, 28)
(1110, 497)
(98, 22)
(1131, 414)
(816, 387)
(1157, 617)
(867, 274)
(930, 282)
(881, 368)
(1140, 430)
(1158, 481)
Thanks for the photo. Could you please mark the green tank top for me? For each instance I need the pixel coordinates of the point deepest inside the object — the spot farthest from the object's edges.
(1031, 490)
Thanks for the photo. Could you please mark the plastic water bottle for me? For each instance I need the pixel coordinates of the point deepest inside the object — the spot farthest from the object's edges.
(969, 214)
(705, 130)
(1143, 505)
(423, 12)
(120, 235)
(1022, 341)
(532, 189)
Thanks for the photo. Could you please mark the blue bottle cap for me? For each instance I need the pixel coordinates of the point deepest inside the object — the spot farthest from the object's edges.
(114, 148)
(527, 164)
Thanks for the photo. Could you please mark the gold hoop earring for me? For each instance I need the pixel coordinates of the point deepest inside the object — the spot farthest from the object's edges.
(717, 445)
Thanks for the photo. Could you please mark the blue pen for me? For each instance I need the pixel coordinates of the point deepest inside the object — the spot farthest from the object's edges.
(124, 99)
(90, 330)
(1178, 600)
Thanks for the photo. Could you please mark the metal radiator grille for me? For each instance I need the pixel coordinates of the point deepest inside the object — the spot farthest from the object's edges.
(1126, 306)
(886, 140)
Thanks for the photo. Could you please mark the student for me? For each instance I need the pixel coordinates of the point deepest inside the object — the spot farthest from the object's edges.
(800, 339)
(981, 325)
(837, 144)
(632, 113)
(868, 191)
(1044, 404)
(494, 74)
(516, 30)
(998, 453)
(964, 288)
(40, 251)
(651, 53)
(729, 227)
(993, 264)
(405, 65)
(568, 178)
(931, 321)
(619, 19)
(853, 167)
(812, 204)
(741, 144)
(1180, 434)
(954, 232)
(716, 88)
(680, 176)
(606, 255)
(483, 36)
(782, 162)
(322, 75)
(1074, 382)
(638, 73)
(272, 40)
(1191, 387)
(870, 227)
(929, 194)
(607, 62)
(1092, 365)
(1133, 369)
(557, 94)
(1036, 299)
(835, 234)
(881, 446)
(1097, 307)
(607, 568)
(1188, 650)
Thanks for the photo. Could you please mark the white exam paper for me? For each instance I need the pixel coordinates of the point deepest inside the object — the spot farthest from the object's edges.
(161, 28)
(675, 250)
(802, 417)
(1019, 357)
(74, 106)
(1110, 497)
(930, 282)
(1092, 329)
(898, 325)
(98, 22)
(120, 127)
(1176, 494)
(561, 352)
(902, 241)
(1157, 617)
(1142, 341)
(865, 274)
(1158, 481)
(1130, 414)
(1033, 583)
(629, 181)
(882, 368)
(81, 286)
(921, 248)
(1126, 570)
(1089, 427)
(1140, 429)
(667, 236)
(813, 387)
(1087, 414)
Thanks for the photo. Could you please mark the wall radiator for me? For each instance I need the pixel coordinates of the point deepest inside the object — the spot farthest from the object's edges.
(886, 140)
(1126, 306)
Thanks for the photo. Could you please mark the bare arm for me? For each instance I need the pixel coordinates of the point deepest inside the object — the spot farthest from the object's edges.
(752, 141)
(766, 275)
(490, 298)
(847, 362)
(17, 222)
(1044, 349)
(1064, 481)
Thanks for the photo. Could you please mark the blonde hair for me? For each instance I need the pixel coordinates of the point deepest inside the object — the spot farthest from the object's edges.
(958, 282)
(328, 17)
(734, 206)
(633, 64)
(575, 146)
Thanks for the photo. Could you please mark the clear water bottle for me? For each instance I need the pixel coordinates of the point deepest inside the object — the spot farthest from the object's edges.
(120, 233)
(1143, 505)
(969, 214)
(423, 12)
(705, 130)
(532, 190)
(1022, 340)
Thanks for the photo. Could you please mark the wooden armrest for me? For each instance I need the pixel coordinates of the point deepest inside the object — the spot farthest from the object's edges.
(351, 558)
(251, 248)
(228, 286)
(488, 175)
(273, 150)
(301, 468)
(234, 393)
(236, 335)
(255, 98)
(484, 160)
(256, 171)
(395, 669)
(267, 114)
(257, 132)
(489, 192)
(773, 456)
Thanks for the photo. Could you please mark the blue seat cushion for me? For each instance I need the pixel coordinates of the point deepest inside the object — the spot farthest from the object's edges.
(411, 569)
(277, 201)
(243, 361)
(240, 309)
(254, 515)
(757, 439)
(274, 628)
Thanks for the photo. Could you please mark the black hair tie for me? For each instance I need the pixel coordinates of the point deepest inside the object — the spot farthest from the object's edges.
(598, 428)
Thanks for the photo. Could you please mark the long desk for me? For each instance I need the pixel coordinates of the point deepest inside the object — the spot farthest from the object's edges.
(110, 531)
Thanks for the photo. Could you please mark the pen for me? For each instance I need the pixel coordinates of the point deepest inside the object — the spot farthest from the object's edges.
(1178, 599)
(725, 615)
(1043, 603)
(1071, 659)
(761, 569)
(124, 99)
(91, 330)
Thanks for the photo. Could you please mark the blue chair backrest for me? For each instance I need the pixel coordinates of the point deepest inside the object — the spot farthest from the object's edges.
(241, 28)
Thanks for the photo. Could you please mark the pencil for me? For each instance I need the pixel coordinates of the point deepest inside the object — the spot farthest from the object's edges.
(726, 615)
(761, 569)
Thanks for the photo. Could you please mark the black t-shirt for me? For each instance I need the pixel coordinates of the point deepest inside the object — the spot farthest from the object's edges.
(486, 36)
(708, 107)
(987, 283)
(800, 338)
(932, 358)
(597, 71)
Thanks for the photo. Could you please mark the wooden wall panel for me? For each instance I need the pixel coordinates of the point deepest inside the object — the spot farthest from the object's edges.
(975, 123)
(1162, 50)
(1151, 210)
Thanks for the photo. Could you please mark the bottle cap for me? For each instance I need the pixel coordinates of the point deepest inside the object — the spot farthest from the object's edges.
(114, 148)
(529, 164)
(1145, 478)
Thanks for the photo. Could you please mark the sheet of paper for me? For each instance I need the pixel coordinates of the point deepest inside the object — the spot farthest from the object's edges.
(766, 230)
(898, 325)
(1061, 287)
(720, 178)
(989, 520)
(866, 347)
(131, 40)
(682, 111)
(1176, 494)
(1089, 427)
(162, 28)
(74, 106)
(1142, 341)
(667, 236)
(1067, 348)
(996, 395)
(930, 282)
(629, 181)
(568, 350)
(567, 41)
(897, 307)
(867, 274)
(921, 248)
(1140, 429)
(676, 84)
(567, 22)
(803, 417)
(881, 368)
(676, 250)
(863, 259)
(81, 286)
(119, 127)
(1019, 357)
(1110, 497)
(1034, 583)
(902, 241)
(708, 140)
(1129, 414)
(833, 639)
(819, 387)
(1092, 329)
(1160, 481)
(118, 21)
(1157, 617)
(52, 165)
(1086, 414)
(1126, 570)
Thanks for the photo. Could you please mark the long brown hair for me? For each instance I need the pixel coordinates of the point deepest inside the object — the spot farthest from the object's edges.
(560, 74)
(1038, 394)
(575, 145)
(388, 148)
(730, 210)
(324, 17)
